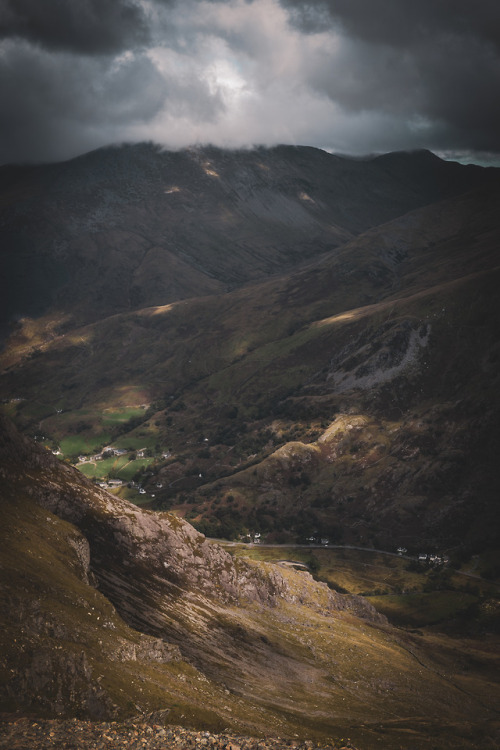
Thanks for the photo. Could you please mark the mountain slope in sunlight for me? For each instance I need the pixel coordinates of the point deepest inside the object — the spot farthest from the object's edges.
(109, 611)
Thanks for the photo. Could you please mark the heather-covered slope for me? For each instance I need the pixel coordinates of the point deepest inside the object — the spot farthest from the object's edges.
(214, 642)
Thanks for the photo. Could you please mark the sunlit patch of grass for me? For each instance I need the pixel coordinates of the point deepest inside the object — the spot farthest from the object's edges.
(32, 333)
(159, 309)
(103, 468)
(358, 572)
(127, 471)
(119, 467)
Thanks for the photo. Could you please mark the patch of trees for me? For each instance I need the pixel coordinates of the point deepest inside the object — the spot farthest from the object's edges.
(438, 580)
(226, 524)
(313, 564)
(129, 425)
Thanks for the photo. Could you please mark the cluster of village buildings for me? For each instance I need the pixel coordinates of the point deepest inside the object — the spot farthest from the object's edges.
(426, 557)
(106, 453)
(431, 559)
(111, 451)
(423, 557)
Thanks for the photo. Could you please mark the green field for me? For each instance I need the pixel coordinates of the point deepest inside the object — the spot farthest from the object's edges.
(84, 431)
(132, 496)
(83, 444)
(118, 467)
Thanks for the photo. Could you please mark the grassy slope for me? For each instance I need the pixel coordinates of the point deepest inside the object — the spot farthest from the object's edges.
(258, 379)
(262, 366)
(415, 440)
(365, 679)
(247, 665)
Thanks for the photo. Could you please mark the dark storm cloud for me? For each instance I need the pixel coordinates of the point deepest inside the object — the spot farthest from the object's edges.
(353, 75)
(400, 22)
(57, 104)
(87, 26)
(63, 105)
(437, 62)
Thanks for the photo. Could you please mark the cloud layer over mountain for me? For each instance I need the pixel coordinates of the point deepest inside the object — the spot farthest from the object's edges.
(350, 75)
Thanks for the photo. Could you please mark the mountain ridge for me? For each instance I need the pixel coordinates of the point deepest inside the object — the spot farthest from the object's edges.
(63, 223)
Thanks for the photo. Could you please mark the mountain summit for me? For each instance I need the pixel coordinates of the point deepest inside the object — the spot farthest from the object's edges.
(130, 226)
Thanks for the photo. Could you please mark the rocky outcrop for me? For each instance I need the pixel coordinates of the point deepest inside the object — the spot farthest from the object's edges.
(60, 683)
(146, 563)
(177, 630)
(377, 358)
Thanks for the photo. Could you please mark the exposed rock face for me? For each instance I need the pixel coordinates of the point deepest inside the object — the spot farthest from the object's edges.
(373, 360)
(161, 575)
(60, 682)
(217, 642)
(125, 542)
(82, 549)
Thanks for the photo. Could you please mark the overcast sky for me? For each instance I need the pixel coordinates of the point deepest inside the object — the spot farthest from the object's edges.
(351, 76)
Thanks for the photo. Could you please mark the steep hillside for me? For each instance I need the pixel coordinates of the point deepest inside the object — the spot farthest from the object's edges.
(357, 395)
(133, 226)
(109, 611)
